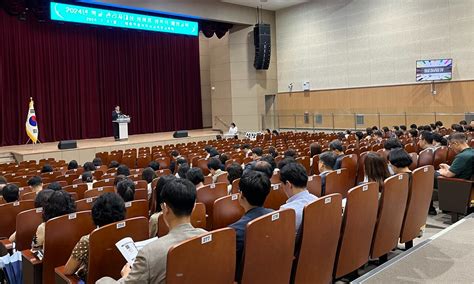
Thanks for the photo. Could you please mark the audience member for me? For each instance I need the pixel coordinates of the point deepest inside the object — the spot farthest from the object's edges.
(400, 161)
(234, 171)
(154, 165)
(285, 162)
(223, 158)
(275, 132)
(107, 209)
(375, 169)
(413, 133)
(379, 135)
(272, 151)
(126, 190)
(246, 149)
(36, 183)
(58, 204)
(457, 128)
(214, 166)
(336, 147)
(47, 169)
(153, 223)
(89, 167)
(55, 186)
(254, 188)
(413, 126)
(174, 156)
(72, 165)
(42, 197)
(426, 141)
(118, 179)
(97, 162)
(179, 197)
(463, 164)
(314, 149)
(327, 160)
(290, 153)
(123, 170)
(195, 176)
(182, 170)
(114, 164)
(368, 131)
(3, 183)
(269, 159)
(148, 175)
(294, 180)
(263, 167)
(88, 178)
(11, 193)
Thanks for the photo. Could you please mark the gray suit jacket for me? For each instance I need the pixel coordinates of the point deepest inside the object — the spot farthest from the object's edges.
(150, 264)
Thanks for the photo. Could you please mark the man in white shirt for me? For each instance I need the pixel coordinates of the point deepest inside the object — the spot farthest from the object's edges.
(233, 130)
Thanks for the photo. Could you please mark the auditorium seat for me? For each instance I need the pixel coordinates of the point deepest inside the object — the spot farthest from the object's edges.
(314, 185)
(61, 235)
(223, 178)
(419, 197)
(141, 184)
(361, 167)
(202, 164)
(349, 162)
(209, 258)
(85, 204)
(425, 158)
(68, 178)
(104, 156)
(455, 196)
(104, 182)
(315, 165)
(79, 189)
(392, 205)
(208, 194)
(440, 156)
(136, 208)
(305, 161)
(207, 180)
(164, 162)
(26, 224)
(24, 190)
(269, 259)
(104, 257)
(198, 220)
(163, 172)
(276, 198)
(141, 194)
(235, 186)
(360, 216)
(226, 211)
(129, 161)
(98, 191)
(414, 163)
(320, 230)
(77, 171)
(9, 212)
(275, 179)
(410, 148)
(338, 182)
(450, 156)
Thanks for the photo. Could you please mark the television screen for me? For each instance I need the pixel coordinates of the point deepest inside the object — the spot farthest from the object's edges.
(434, 70)
(121, 19)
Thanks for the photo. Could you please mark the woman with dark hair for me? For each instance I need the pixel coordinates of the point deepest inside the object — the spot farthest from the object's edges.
(375, 169)
(108, 208)
(126, 190)
(400, 161)
(275, 132)
(59, 203)
(153, 223)
(89, 167)
(72, 165)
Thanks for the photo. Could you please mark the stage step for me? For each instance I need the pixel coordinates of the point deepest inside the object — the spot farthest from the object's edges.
(7, 157)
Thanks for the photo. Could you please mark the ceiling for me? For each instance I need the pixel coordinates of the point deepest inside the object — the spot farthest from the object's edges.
(267, 4)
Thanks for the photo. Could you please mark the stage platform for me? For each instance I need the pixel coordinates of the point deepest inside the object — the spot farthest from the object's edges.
(86, 149)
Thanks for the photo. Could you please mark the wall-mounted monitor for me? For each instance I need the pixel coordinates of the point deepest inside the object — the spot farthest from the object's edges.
(434, 70)
(121, 19)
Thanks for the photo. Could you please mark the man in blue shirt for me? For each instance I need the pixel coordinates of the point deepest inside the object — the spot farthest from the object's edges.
(294, 180)
(254, 188)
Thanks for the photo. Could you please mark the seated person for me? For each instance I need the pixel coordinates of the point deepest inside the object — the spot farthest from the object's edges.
(36, 183)
(97, 162)
(58, 204)
(73, 165)
(327, 160)
(88, 178)
(118, 179)
(126, 190)
(195, 176)
(336, 147)
(123, 170)
(294, 180)
(174, 157)
(154, 165)
(246, 150)
(182, 170)
(254, 188)
(426, 140)
(113, 164)
(179, 197)
(257, 154)
(290, 153)
(462, 166)
(314, 149)
(214, 166)
(375, 169)
(46, 169)
(3, 183)
(235, 171)
(11, 193)
(55, 186)
(233, 130)
(149, 175)
(108, 208)
(153, 223)
(378, 135)
(263, 167)
(89, 167)
(400, 161)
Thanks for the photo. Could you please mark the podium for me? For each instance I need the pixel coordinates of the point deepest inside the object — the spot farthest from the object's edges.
(123, 122)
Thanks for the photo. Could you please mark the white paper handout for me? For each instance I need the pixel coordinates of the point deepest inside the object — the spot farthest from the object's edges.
(129, 249)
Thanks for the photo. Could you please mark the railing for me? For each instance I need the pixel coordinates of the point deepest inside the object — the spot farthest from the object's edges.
(356, 121)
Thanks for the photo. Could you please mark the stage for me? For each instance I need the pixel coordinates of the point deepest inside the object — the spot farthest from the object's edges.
(86, 149)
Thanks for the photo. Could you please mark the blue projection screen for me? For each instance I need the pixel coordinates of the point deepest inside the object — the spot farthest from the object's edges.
(119, 19)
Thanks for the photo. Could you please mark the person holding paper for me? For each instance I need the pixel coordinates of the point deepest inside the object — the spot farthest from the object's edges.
(179, 197)
(108, 208)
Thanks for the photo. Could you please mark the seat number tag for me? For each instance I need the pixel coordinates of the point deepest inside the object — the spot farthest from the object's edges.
(39, 210)
(310, 178)
(206, 239)
(338, 172)
(400, 177)
(100, 189)
(327, 200)
(121, 225)
(89, 200)
(365, 188)
(72, 216)
(213, 185)
(234, 197)
(425, 170)
(276, 186)
(128, 204)
(275, 216)
(16, 203)
(74, 186)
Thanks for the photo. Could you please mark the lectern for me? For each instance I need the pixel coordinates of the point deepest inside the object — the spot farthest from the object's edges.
(123, 122)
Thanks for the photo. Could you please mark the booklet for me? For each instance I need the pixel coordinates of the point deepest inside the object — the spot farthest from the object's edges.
(129, 249)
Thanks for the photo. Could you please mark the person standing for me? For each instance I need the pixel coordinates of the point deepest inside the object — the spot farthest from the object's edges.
(115, 115)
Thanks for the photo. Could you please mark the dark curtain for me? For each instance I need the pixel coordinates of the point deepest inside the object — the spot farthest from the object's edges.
(77, 74)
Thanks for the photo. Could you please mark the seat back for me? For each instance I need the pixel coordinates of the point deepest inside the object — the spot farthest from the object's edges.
(440, 156)
(208, 194)
(223, 178)
(305, 161)
(198, 220)
(349, 162)
(8, 213)
(358, 226)
(140, 184)
(136, 208)
(26, 224)
(235, 186)
(314, 185)
(28, 196)
(104, 183)
(85, 204)
(315, 166)
(454, 194)
(414, 163)
(61, 235)
(141, 194)
(268, 259)
(361, 167)
(202, 164)
(419, 197)
(104, 257)
(392, 206)
(77, 188)
(226, 211)
(95, 192)
(450, 156)
(276, 198)
(320, 231)
(410, 148)
(425, 158)
(209, 258)
(337, 182)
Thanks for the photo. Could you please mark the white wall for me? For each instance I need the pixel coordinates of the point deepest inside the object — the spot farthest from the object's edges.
(353, 43)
